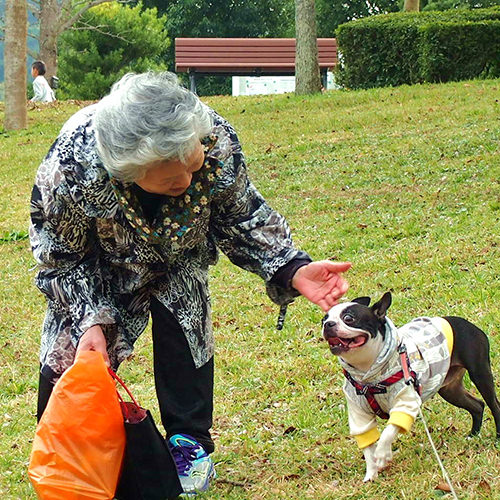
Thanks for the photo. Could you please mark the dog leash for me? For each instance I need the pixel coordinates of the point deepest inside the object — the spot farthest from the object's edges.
(410, 377)
(443, 470)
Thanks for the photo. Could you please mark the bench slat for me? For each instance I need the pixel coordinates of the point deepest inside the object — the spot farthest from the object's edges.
(239, 64)
(208, 51)
(246, 42)
(246, 55)
(203, 66)
(243, 71)
(247, 60)
(241, 50)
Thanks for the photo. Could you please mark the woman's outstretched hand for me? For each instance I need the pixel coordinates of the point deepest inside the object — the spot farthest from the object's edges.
(322, 282)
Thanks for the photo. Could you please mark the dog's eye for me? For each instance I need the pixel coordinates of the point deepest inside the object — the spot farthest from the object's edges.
(325, 317)
(348, 319)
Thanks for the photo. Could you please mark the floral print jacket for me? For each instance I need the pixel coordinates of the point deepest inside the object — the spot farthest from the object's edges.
(97, 264)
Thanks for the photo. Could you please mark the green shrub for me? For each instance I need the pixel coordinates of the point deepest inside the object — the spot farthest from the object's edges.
(391, 49)
(460, 51)
(110, 40)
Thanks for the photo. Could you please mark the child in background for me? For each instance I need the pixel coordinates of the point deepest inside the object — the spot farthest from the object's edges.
(41, 89)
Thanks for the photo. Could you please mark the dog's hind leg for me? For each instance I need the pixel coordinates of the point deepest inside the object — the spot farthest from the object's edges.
(455, 393)
(472, 351)
(483, 379)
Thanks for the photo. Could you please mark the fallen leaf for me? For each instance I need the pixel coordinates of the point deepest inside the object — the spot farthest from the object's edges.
(442, 486)
(485, 486)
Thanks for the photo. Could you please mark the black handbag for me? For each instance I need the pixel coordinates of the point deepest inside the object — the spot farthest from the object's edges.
(148, 469)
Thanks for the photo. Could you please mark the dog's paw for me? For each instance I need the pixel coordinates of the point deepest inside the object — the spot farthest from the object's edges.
(383, 457)
(370, 476)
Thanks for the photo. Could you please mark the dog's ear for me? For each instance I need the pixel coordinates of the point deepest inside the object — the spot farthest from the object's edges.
(380, 307)
(365, 301)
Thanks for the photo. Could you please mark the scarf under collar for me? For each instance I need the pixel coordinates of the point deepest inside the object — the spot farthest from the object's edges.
(178, 215)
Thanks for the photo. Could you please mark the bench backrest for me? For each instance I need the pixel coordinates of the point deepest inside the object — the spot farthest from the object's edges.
(246, 55)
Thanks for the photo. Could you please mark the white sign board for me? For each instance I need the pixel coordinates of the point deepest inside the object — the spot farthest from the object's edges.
(254, 85)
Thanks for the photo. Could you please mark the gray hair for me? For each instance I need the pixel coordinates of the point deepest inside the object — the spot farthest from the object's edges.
(146, 118)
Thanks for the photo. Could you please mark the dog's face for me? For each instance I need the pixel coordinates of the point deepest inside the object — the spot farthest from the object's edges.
(352, 325)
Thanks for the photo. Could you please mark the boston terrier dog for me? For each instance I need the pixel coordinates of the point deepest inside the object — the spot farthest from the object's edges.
(389, 372)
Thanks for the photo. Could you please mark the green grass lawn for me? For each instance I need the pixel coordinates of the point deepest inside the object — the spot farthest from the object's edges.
(403, 182)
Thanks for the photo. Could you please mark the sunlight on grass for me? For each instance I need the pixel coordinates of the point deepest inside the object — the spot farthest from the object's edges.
(403, 182)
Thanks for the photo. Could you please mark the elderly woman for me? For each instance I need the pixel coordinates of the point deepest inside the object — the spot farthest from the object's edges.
(128, 210)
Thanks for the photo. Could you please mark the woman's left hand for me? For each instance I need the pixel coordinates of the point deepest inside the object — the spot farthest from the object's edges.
(321, 282)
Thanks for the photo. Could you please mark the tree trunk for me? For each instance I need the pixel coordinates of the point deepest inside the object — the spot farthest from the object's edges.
(411, 5)
(50, 13)
(16, 33)
(307, 78)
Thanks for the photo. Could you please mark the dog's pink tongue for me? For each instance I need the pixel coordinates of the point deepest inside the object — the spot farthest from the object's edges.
(334, 341)
(358, 341)
(350, 343)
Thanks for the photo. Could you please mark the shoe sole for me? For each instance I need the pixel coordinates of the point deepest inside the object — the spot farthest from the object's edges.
(212, 475)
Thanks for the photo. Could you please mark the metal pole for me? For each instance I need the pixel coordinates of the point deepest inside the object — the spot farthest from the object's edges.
(192, 81)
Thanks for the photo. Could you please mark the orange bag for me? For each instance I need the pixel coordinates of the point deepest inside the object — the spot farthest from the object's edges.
(80, 440)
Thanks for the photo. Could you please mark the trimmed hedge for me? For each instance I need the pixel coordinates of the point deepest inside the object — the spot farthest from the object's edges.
(460, 51)
(408, 48)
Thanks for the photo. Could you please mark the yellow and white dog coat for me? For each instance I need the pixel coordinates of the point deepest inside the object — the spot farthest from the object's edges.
(428, 342)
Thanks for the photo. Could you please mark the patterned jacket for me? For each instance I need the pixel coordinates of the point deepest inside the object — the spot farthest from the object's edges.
(96, 265)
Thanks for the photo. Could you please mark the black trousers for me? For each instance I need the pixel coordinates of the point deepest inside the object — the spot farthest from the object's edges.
(184, 392)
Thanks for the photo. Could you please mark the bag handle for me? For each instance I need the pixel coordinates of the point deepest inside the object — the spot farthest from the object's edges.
(122, 383)
(137, 410)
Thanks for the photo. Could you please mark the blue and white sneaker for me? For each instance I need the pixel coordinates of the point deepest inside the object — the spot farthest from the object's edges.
(194, 466)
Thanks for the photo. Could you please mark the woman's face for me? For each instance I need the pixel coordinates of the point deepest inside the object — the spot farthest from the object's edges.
(172, 177)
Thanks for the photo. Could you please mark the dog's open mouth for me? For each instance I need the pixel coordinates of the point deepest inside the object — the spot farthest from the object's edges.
(347, 343)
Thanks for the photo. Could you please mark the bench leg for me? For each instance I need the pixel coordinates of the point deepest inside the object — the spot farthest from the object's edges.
(324, 79)
(192, 82)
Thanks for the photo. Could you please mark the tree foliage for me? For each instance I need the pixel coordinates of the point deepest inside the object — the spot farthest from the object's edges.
(331, 14)
(161, 5)
(107, 42)
(456, 4)
(234, 18)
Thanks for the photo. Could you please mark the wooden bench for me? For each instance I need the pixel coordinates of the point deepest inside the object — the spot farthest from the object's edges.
(245, 56)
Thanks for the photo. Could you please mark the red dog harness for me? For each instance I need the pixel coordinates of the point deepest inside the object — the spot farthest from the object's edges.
(369, 390)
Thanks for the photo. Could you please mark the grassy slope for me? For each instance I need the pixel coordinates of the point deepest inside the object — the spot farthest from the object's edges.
(404, 183)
